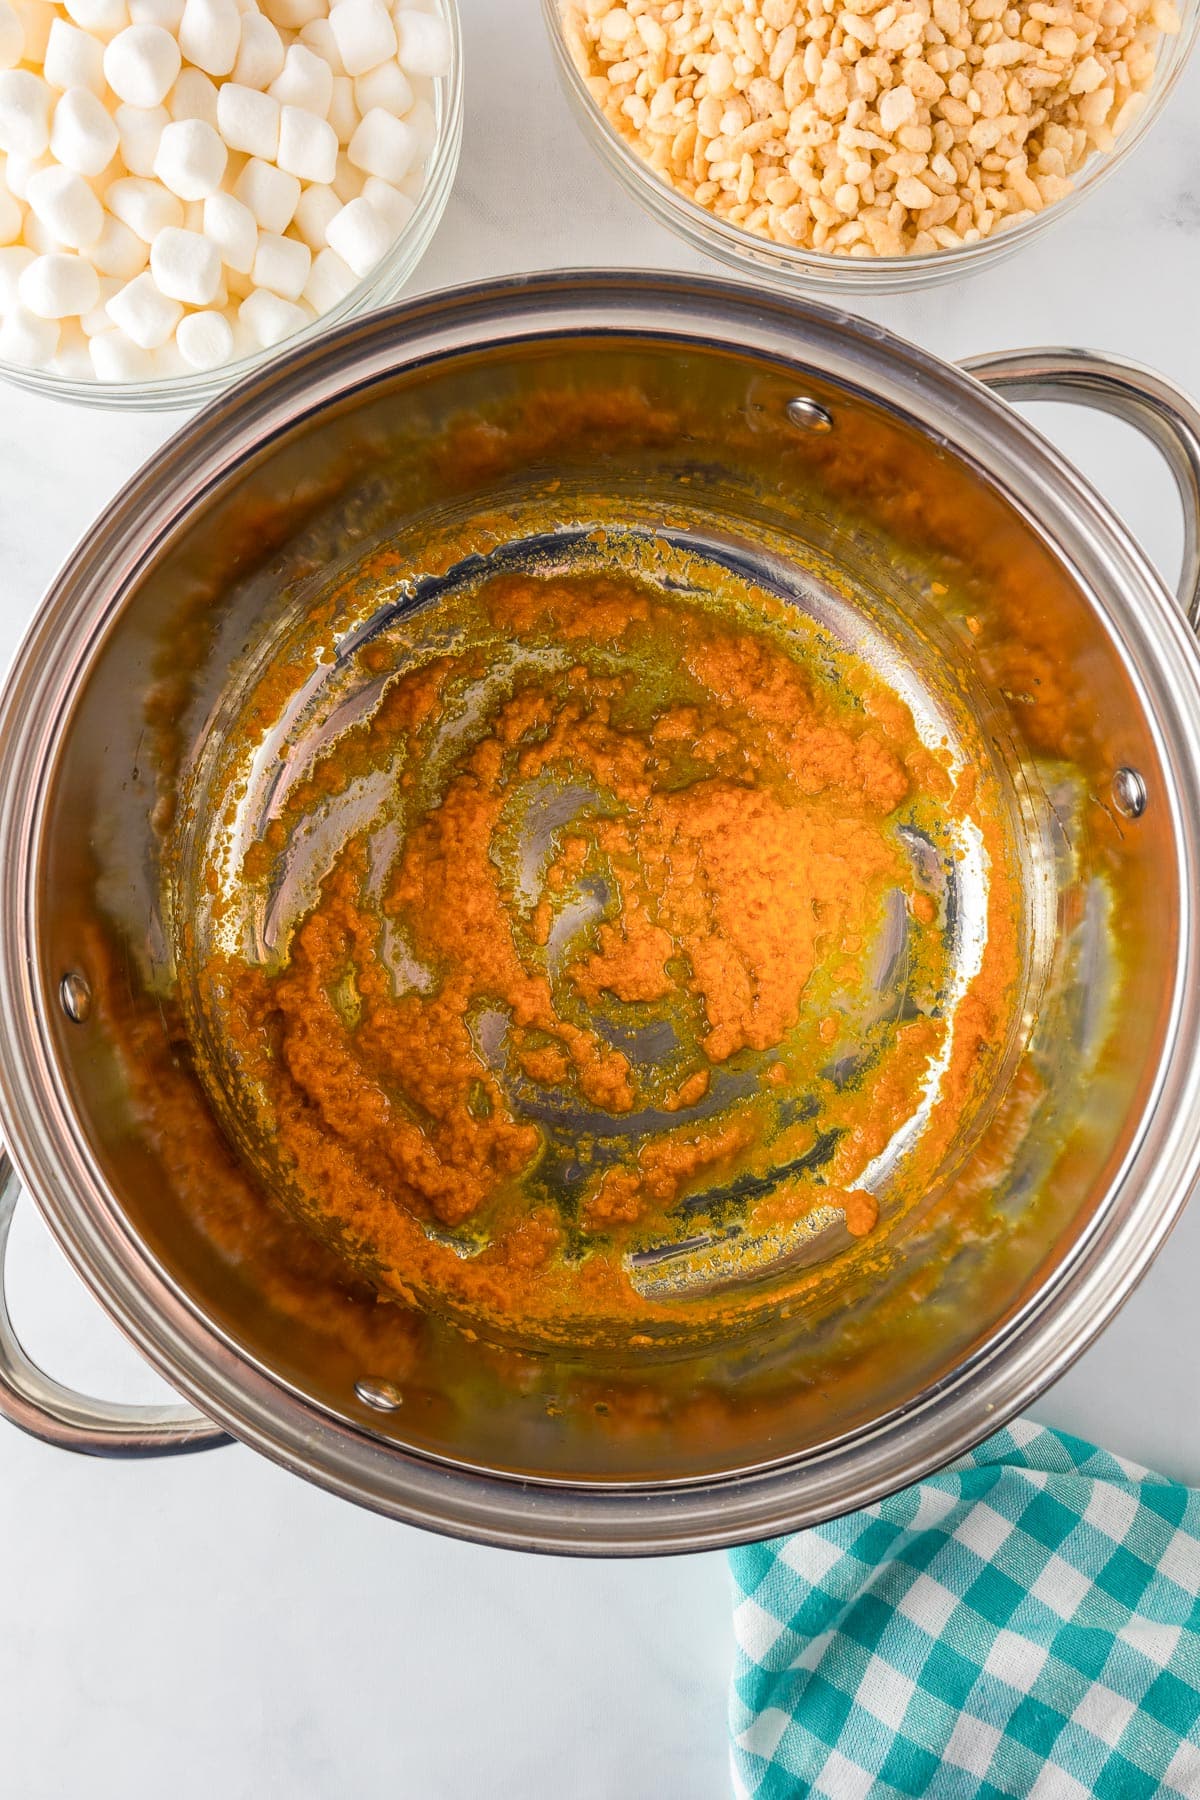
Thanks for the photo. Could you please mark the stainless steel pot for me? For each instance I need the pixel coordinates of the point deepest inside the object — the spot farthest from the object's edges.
(947, 480)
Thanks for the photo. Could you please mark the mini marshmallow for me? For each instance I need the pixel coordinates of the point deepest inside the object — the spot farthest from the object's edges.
(423, 42)
(66, 206)
(25, 102)
(59, 287)
(210, 35)
(233, 228)
(249, 121)
(141, 65)
(118, 251)
(12, 36)
(28, 341)
(233, 168)
(364, 32)
(359, 235)
(387, 86)
(343, 109)
(308, 146)
(317, 206)
(329, 281)
(103, 18)
(318, 37)
(423, 120)
(239, 287)
(167, 13)
(243, 344)
(13, 262)
(83, 136)
(281, 264)
(115, 357)
(204, 340)
(12, 217)
(305, 80)
(36, 19)
(167, 361)
(19, 172)
(393, 207)
(190, 159)
(347, 183)
(144, 312)
(260, 52)
(270, 193)
(97, 319)
(71, 358)
(186, 266)
(194, 96)
(139, 129)
(268, 319)
(39, 237)
(73, 58)
(145, 206)
(384, 146)
(293, 15)
(112, 171)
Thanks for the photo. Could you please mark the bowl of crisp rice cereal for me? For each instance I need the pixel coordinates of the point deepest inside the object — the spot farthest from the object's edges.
(880, 144)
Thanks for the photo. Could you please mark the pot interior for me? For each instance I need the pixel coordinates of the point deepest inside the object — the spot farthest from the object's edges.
(206, 785)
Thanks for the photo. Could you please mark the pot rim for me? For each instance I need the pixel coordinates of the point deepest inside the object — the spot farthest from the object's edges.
(1028, 1350)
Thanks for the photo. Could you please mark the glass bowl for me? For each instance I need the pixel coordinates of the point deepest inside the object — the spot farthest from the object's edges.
(195, 387)
(785, 266)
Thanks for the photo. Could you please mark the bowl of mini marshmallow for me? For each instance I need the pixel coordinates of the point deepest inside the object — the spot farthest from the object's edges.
(189, 186)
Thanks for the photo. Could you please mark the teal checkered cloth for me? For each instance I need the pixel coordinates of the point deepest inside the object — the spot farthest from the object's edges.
(1024, 1624)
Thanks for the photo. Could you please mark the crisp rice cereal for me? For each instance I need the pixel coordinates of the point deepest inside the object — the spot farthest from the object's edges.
(868, 127)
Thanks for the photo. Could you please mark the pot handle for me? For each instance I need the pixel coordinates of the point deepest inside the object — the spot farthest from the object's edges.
(1140, 396)
(57, 1414)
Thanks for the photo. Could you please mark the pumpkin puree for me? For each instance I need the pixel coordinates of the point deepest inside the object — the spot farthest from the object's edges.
(630, 970)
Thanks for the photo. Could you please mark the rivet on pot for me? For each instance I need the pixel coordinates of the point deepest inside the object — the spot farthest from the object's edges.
(75, 996)
(384, 1396)
(1129, 793)
(809, 415)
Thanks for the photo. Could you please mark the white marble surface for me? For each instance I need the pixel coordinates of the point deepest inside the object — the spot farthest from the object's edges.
(211, 1629)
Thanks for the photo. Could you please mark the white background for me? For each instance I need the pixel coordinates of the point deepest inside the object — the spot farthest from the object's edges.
(209, 1628)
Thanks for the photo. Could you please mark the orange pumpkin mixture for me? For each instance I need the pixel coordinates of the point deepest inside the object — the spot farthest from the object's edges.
(619, 977)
